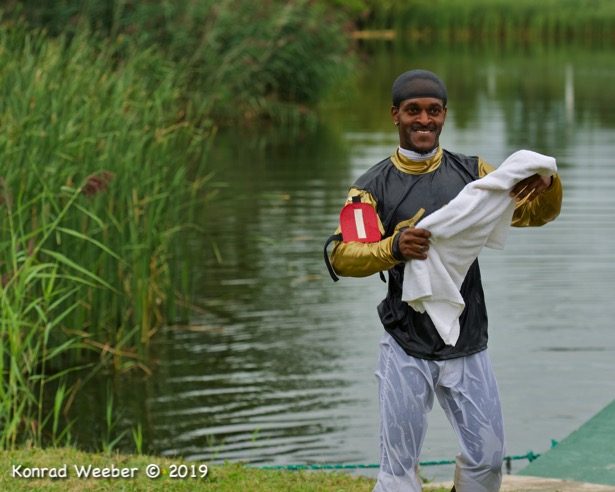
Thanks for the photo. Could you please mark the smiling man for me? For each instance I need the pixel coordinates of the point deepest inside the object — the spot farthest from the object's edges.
(415, 364)
(421, 116)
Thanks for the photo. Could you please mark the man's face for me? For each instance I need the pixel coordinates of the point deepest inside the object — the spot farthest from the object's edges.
(420, 123)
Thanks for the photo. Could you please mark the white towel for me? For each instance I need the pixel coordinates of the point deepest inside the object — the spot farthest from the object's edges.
(480, 215)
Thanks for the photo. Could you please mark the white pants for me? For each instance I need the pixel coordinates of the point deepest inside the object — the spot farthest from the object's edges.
(468, 393)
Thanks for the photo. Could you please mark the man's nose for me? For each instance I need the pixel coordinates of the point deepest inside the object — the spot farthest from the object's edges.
(423, 118)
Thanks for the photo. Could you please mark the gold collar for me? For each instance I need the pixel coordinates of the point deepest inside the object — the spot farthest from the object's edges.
(417, 167)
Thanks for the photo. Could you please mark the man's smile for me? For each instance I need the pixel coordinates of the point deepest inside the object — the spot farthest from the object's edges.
(423, 129)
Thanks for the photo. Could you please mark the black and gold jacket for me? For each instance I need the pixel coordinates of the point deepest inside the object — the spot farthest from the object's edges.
(402, 192)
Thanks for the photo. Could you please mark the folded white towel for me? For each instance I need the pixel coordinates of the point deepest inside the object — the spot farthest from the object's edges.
(480, 215)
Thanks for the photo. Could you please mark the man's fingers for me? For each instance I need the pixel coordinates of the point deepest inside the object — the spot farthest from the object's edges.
(528, 188)
(422, 233)
(414, 243)
(519, 193)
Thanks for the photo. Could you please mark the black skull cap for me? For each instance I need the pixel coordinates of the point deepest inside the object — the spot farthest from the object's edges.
(418, 83)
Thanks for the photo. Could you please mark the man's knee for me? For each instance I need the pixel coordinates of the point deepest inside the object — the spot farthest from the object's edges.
(491, 464)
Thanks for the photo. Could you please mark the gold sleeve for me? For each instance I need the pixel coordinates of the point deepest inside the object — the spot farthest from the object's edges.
(355, 259)
(545, 208)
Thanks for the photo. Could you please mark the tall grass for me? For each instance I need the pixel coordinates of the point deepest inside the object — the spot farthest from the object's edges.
(100, 176)
(586, 21)
(243, 60)
(105, 129)
(72, 115)
(37, 296)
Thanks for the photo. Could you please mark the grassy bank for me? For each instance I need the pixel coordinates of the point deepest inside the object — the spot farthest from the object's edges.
(221, 478)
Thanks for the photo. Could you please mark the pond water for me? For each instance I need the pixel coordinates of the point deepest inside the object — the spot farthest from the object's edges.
(278, 369)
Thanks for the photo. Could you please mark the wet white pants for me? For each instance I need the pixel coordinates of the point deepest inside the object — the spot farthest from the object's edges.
(468, 393)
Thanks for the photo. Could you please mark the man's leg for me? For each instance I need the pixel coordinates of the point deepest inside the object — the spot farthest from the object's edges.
(406, 395)
(469, 394)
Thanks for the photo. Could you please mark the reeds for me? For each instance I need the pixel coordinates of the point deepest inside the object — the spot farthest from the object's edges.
(587, 21)
(104, 133)
(100, 179)
(244, 61)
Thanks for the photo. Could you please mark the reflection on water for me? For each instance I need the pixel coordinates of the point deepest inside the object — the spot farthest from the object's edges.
(279, 369)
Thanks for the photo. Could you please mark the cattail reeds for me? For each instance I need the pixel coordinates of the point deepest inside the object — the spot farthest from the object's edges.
(106, 119)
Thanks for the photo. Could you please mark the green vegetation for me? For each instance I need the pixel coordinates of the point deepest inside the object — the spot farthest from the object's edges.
(108, 111)
(95, 191)
(491, 20)
(228, 477)
(106, 127)
(237, 60)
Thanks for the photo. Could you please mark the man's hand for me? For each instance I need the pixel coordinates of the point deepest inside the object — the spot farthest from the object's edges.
(414, 243)
(530, 187)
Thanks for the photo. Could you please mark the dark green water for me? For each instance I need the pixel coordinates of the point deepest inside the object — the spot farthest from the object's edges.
(279, 369)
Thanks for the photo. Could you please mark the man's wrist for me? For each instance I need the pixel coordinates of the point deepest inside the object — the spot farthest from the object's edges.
(395, 248)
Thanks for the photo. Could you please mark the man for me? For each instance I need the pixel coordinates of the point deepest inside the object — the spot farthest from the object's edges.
(415, 364)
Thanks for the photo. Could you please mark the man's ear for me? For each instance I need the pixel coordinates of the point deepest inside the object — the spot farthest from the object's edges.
(395, 114)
